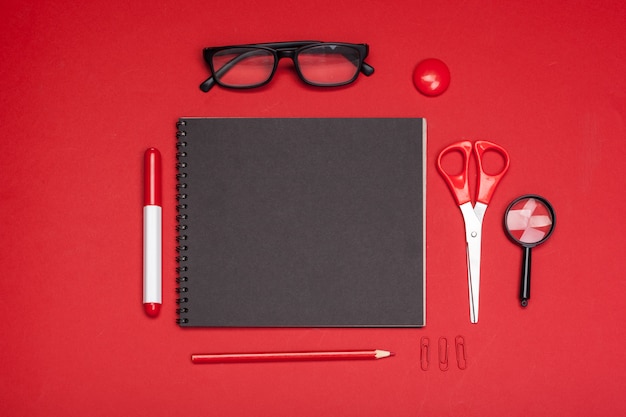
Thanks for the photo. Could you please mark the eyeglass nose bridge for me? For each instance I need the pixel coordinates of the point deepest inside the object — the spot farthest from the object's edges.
(286, 53)
(291, 54)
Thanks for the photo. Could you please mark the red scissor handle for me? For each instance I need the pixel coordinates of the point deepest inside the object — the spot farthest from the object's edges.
(457, 183)
(487, 183)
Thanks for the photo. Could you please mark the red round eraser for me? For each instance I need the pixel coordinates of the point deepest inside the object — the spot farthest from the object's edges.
(431, 77)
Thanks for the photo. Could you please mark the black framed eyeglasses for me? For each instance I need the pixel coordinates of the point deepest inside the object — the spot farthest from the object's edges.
(321, 64)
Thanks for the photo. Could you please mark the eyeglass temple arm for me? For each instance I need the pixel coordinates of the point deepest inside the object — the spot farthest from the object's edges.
(367, 69)
(210, 82)
(207, 84)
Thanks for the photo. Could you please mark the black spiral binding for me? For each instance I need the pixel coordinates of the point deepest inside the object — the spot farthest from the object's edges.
(181, 207)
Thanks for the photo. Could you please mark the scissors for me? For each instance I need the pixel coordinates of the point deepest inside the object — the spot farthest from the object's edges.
(473, 214)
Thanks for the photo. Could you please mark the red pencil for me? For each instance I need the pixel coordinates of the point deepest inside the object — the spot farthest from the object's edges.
(290, 356)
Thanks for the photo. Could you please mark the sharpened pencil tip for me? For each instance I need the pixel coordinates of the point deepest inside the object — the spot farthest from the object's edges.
(383, 354)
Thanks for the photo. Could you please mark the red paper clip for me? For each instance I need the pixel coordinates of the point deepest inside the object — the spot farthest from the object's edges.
(443, 353)
(424, 353)
(461, 358)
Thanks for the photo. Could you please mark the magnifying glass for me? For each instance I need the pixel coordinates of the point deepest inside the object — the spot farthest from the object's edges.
(529, 220)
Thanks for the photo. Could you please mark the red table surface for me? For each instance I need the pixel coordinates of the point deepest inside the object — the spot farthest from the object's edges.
(88, 86)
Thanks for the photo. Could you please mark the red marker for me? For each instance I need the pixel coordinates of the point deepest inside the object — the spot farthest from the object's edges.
(152, 220)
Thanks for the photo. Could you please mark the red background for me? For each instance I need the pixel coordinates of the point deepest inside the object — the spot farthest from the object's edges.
(86, 87)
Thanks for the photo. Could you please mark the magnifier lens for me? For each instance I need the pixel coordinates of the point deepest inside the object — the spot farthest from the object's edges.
(529, 220)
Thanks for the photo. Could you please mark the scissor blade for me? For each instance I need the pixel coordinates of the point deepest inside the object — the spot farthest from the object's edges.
(473, 237)
(473, 278)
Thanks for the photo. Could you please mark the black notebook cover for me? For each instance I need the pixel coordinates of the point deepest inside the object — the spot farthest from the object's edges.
(301, 222)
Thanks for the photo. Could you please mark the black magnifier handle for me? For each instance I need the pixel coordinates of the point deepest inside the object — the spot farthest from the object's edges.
(529, 220)
(524, 291)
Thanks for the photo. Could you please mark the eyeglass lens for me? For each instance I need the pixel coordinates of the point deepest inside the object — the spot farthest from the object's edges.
(243, 67)
(328, 64)
(321, 65)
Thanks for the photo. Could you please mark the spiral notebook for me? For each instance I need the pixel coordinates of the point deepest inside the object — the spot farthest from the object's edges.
(301, 222)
